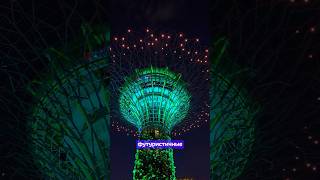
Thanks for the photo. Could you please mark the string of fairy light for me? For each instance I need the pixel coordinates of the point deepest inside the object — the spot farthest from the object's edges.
(163, 46)
(202, 117)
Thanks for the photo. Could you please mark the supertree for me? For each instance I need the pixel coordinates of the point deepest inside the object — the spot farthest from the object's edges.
(159, 81)
(66, 106)
(154, 100)
(69, 124)
(56, 119)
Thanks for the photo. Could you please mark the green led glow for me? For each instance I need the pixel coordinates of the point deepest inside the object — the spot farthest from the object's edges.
(154, 164)
(69, 124)
(154, 97)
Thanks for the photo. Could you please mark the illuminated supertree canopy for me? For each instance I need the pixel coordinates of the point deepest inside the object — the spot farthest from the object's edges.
(154, 100)
(135, 54)
(159, 81)
(154, 97)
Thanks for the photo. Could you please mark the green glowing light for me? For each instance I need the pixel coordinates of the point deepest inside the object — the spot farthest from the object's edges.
(154, 164)
(154, 100)
(154, 97)
(69, 124)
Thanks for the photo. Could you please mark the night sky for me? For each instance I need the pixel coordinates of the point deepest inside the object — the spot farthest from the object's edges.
(278, 41)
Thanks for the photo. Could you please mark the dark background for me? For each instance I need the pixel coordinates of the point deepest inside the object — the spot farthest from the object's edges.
(277, 40)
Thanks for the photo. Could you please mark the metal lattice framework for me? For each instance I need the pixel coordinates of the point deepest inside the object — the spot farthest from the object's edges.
(184, 56)
(231, 119)
(154, 97)
(69, 124)
(160, 86)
